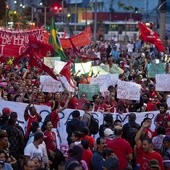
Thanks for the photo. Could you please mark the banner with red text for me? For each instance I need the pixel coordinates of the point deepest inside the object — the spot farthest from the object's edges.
(14, 43)
(79, 40)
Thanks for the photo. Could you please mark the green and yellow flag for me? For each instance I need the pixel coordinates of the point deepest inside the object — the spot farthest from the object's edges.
(54, 40)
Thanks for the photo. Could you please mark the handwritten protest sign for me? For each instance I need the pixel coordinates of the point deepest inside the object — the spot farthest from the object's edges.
(104, 81)
(50, 61)
(162, 82)
(154, 69)
(128, 90)
(48, 84)
(89, 89)
(83, 68)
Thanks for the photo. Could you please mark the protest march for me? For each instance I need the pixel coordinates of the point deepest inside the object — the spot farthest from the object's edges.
(74, 103)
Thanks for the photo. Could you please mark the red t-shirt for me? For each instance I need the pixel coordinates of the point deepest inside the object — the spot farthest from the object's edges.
(50, 140)
(163, 119)
(29, 120)
(87, 156)
(121, 149)
(90, 139)
(54, 118)
(143, 158)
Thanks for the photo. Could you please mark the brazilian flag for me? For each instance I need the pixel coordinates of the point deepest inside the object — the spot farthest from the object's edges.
(54, 40)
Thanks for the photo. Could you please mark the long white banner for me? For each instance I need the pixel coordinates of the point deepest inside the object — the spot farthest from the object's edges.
(65, 116)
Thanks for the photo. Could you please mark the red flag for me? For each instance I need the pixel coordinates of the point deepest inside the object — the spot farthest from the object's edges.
(36, 61)
(66, 73)
(39, 47)
(147, 35)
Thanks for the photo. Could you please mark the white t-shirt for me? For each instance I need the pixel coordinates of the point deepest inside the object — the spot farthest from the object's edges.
(31, 150)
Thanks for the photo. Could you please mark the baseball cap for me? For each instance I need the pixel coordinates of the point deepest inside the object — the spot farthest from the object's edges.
(6, 111)
(108, 132)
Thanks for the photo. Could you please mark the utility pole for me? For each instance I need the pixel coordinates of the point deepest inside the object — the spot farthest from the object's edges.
(162, 8)
(75, 19)
(95, 21)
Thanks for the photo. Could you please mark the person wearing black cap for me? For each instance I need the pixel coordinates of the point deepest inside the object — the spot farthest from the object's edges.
(74, 124)
(166, 153)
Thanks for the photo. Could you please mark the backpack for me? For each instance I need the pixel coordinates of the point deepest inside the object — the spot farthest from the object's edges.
(94, 125)
(130, 134)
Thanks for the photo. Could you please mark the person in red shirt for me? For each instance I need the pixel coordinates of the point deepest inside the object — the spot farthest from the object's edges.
(30, 115)
(147, 132)
(87, 153)
(124, 153)
(102, 104)
(56, 109)
(54, 154)
(163, 118)
(86, 136)
(144, 150)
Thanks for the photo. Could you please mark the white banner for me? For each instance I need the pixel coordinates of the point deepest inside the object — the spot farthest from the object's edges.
(168, 101)
(48, 84)
(65, 116)
(162, 82)
(128, 90)
(105, 80)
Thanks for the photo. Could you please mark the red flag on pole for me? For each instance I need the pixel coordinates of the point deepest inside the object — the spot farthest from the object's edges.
(36, 61)
(66, 73)
(148, 35)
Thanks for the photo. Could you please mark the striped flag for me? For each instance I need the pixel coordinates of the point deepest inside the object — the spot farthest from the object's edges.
(54, 40)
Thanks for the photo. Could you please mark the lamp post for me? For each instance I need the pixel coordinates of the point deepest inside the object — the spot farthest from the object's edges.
(95, 21)
(162, 21)
(75, 19)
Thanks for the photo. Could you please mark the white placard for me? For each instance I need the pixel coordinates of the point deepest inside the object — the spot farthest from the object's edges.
(83, 68)
(162, 82)
(104, 81)
(59, 65)
(48, 84)
(50, 61)
(128, 90)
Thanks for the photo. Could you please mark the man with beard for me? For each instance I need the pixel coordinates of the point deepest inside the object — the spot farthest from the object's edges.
(163, 118)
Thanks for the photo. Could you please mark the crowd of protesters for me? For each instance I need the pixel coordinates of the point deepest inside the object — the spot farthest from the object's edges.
(119, 146)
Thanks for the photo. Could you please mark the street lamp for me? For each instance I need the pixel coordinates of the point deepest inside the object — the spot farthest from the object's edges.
(162, 9)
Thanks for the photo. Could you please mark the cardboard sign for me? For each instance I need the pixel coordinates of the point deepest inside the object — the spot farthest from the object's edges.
(50, 61)
(48, 84)
(162, 82)
(104, 81)
(89, 89)
(154, 69)
(128, 90)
